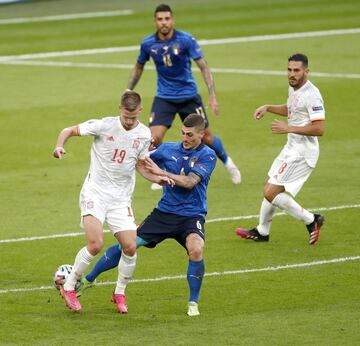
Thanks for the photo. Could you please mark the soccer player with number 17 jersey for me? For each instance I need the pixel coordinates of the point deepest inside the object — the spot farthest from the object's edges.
(172, 51)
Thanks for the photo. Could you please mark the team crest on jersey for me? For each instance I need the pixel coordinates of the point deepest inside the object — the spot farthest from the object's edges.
(198, 225)
(89, 204)
(176, 49)
(192, 162)
(136, 143)
(110, 139)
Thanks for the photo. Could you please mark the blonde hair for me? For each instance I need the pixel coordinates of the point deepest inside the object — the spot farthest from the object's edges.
(130, 100)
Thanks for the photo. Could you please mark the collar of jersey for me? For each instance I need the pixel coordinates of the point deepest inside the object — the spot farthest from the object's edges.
(122, 128)
(171, 39)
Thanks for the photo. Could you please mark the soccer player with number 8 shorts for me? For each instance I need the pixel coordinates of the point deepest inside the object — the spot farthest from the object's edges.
(291, 169)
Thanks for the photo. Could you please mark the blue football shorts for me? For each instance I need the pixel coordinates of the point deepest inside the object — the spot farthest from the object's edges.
(163, 111)
(159, 226)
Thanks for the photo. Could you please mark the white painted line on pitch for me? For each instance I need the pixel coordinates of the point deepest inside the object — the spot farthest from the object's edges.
(71, 64)
(283, 73)
(151, 67)
(66, 17)
(231, 218)
(71, 53)
(282, 213)
(201, 42)
(228, 272)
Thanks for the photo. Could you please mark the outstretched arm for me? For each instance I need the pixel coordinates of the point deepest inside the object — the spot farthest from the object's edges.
(209, 81)
(185, 181)
(316, 128)
(276, 109)
(64, 135)
(135, 76)
(160, 179)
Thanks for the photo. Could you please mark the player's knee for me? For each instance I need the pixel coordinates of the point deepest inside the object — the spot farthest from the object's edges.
(196, 253)
(130, 249)
(271, 191)
(95, 246)
(268, 194)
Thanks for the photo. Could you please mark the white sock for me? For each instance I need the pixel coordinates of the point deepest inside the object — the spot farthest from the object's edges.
(291, 207)
(126, 269)
(82, 262)
(267, 212)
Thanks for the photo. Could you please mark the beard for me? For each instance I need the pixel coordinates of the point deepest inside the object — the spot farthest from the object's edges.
(297, 83)
(165, 30)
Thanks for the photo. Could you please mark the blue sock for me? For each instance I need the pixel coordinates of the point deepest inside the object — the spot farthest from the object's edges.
(219, 149)
(195, 275)
(110, 259)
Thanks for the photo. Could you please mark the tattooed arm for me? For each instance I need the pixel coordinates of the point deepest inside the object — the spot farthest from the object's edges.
(185, 181)
(209, 81)
(135, 76)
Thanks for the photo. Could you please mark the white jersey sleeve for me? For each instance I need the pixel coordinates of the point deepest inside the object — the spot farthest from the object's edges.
(91, 127)
(144, 151)
(315, 107)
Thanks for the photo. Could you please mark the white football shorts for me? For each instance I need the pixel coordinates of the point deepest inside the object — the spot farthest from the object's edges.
(290, 172)
(118, 217)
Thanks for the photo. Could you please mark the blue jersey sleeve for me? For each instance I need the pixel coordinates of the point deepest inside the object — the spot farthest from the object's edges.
(194, 49)
(205, 165)
(144, 55)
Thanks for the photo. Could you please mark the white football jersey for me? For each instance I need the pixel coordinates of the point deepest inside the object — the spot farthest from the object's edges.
(304, 106)
(114, 154)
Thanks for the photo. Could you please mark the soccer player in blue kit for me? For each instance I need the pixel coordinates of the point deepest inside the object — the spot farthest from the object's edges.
(172, 51)
(181, 211)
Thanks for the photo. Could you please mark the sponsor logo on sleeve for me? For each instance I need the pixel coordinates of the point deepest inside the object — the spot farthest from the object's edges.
(317, 108)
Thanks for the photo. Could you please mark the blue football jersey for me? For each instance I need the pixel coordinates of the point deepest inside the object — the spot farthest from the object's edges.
(172, 59)
(173, 158)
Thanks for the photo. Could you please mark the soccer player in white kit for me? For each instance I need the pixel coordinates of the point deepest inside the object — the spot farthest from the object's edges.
(293, 166)
(119, 148)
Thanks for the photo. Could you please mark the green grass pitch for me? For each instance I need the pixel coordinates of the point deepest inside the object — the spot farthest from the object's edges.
(249, 296)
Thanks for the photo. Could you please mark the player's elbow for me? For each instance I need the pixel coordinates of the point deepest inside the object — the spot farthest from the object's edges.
(188, 183)
(71, 131)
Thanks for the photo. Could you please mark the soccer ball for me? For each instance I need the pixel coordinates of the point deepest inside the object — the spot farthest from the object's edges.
(61, 274)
